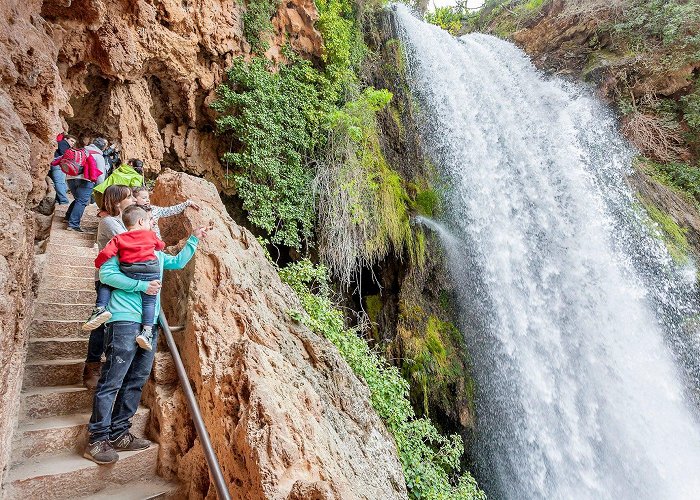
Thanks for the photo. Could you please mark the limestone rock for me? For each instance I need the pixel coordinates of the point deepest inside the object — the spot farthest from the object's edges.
(287, 417)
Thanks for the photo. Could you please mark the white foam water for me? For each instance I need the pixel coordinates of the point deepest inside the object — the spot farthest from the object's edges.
(573, 309)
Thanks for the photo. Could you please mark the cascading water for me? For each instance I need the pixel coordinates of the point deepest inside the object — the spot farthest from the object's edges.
(573, 308)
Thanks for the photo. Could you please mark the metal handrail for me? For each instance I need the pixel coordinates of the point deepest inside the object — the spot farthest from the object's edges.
(199, 424)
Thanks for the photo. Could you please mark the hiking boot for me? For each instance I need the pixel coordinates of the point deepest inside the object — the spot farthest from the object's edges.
(101, 452)
(71, 228)
(144, 339)
(91, 374)
(99, 315)
(129, 442)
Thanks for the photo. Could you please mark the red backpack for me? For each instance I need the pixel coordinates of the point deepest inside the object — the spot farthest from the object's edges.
(73, 161)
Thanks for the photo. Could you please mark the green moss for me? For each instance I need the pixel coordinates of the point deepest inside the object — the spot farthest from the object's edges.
(427, 202)
(396, 117)
(432, 354)
(669, 231)
(373, 305)
(445, 300)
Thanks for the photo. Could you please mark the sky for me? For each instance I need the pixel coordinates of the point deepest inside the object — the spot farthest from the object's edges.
(442, 3)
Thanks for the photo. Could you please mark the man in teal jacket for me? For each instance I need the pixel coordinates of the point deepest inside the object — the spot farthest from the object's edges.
(128, 366)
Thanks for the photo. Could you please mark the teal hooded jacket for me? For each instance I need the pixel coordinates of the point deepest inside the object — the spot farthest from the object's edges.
(125, 302)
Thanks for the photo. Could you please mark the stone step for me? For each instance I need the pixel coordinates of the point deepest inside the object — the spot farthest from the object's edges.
(56, 260)
(72, 271)
(75, 283)
(71, 250)
(54, 295)
(54, 328)
(59, 230)
(153, 489)
(42, 402)
(53, 348)
(68, 433)
(85, 241)
(72, 476)
(88, 216)
(63, 311)
(85, 220)
(53, 372)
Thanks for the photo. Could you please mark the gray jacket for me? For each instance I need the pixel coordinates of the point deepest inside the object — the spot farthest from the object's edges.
(107, 229)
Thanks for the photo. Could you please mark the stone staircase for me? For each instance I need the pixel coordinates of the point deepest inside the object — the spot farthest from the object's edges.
(48, 444)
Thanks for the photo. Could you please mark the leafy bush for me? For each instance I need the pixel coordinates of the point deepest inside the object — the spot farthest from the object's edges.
(257, 23)
(278, 118)
(691, 108)
(428, 458)
(681, 176)
(448, 18)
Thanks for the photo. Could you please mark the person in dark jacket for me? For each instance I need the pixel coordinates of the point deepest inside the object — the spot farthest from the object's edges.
(65, 142)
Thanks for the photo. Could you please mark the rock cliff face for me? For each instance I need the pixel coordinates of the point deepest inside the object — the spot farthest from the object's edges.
(287, 417)
(140, 72)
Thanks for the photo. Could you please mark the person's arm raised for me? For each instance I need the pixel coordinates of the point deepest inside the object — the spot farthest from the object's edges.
(180, 260)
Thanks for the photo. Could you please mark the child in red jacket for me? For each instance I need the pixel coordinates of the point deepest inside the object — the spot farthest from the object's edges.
(135, 250)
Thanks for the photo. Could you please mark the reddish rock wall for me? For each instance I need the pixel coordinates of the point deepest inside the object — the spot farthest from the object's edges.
(137, 71)
(287, 416)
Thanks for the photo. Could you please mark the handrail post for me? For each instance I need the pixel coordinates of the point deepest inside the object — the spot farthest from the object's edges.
(209, 454)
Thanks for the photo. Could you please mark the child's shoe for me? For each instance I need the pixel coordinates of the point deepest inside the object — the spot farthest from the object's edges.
(99, 315)
(145, 338)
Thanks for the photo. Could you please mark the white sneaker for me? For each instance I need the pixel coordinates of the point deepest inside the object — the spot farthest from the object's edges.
(99, 315)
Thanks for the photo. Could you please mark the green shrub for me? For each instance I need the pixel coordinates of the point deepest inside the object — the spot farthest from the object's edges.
(257, 23)
(278, 120)
(683, 177)
(429, 459)
(674, 24)
(448, 18)
(691, 108)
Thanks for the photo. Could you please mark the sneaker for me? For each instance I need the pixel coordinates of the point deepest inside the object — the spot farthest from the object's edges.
(101, 452)
(77, 229)
(144, 339)
(91, 374)
(99, 315)
(129, 442)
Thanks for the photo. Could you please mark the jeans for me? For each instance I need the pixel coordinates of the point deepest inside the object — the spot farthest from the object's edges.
(104, 292)
(148, 302)
(124, 374)
(59, 184)
(96, 343)
(81, 189)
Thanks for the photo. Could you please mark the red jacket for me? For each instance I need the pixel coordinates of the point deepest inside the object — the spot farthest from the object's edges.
(90, 171)
(131, 247)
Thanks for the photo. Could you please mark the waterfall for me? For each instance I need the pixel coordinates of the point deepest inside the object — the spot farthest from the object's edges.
(573, 311)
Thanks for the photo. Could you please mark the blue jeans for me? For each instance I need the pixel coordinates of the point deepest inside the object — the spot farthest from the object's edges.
(59, 184)
(104, 293)
(96, 343)
(148, 302)
(118, 393)
(81, 189)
